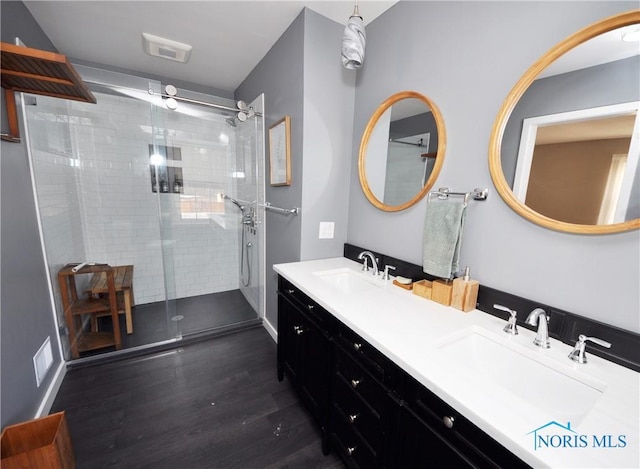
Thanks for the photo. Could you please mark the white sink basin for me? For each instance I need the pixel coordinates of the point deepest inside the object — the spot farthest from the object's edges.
(532, 378)
(349, 281)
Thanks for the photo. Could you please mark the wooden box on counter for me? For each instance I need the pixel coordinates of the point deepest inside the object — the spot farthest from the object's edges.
(441, 291)
(422, 288)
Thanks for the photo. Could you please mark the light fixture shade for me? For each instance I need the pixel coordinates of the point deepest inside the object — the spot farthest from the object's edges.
(353, 43)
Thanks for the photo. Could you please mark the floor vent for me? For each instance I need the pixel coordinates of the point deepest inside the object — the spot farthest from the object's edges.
(42, 360)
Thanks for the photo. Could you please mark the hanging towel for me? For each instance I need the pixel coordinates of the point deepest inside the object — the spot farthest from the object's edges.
(442, 236)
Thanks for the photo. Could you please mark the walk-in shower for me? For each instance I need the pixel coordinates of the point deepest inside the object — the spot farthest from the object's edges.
(132, 181)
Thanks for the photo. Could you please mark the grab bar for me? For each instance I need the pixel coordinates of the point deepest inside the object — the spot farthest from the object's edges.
(288, 211)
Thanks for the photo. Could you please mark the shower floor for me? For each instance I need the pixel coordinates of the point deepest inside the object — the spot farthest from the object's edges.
(192, 315)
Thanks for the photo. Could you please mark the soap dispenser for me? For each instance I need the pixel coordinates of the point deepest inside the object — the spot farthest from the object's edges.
(465, 292)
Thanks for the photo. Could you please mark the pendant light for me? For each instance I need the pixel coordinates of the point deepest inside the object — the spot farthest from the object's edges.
(353, 41)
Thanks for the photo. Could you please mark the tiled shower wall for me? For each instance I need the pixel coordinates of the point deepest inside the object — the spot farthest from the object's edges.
(91, 163)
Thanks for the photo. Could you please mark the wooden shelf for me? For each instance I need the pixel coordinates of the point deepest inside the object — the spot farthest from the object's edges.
(95, 340)
(40, 72)
(90, 305)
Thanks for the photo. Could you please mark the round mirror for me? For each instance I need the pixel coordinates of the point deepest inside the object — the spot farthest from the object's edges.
(565, 146)
(401, 151)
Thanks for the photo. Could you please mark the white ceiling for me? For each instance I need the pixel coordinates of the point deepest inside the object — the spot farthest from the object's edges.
(229, 38)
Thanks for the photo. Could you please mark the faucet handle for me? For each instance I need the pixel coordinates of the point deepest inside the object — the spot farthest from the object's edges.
(511, 327)
(365, 264)
(578, 353)
(385, 275)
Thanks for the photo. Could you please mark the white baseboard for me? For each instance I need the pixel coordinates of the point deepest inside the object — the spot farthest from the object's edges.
(270, 329)
(52, 391)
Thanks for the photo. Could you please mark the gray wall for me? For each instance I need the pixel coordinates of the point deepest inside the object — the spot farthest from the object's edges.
(301, 76)
(279, 77)
(27, 318)
(466, 57)
(329, 94)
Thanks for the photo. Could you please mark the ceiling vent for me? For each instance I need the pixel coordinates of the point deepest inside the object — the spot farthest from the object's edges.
(166, 48)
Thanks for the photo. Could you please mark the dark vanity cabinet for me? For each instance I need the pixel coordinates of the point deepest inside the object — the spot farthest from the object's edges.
(304, 353)
(453, 441)
(370, 410)
(363, 406)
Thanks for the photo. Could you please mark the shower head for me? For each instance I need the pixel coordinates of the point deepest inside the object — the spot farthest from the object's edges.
(234, 202)
(231, 121)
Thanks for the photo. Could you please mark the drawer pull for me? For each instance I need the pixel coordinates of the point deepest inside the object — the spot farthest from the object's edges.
(357, 346)
(299, 330)
(355, 383)
(353, 418)
(310, 307)
(291, 291)
(351, 450)
(448, 421)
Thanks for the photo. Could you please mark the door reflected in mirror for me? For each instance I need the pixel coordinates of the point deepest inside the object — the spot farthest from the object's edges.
(565, 146)
(579, 167)
(401, 151)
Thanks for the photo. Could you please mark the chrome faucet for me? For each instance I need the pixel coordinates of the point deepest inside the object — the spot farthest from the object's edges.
(578, 354)
(539, 316)
(511, 327)
(369, 255)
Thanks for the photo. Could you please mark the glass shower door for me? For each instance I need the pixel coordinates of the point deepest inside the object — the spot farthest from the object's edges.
(211, 248)
(127, 181)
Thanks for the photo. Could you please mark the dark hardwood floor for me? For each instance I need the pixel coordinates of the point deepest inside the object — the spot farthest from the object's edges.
(211, 404)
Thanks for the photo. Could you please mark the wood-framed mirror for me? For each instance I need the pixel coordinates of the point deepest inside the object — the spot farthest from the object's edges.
(401, 151)
(551, 179)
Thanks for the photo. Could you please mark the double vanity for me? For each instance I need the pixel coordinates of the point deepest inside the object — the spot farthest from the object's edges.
(395, 380)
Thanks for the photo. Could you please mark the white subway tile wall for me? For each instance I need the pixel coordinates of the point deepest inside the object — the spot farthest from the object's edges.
(94, 187)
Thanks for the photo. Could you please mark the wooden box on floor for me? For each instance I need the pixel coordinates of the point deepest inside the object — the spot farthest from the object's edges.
(42, 443)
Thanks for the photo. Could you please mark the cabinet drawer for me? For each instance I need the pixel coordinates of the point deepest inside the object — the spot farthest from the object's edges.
(355, 450)
(358, 413)
(375, 362)
(351, 374)
(475, 444)
(313, 310)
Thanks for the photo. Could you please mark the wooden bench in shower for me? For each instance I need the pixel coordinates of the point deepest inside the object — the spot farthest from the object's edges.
(123, 278)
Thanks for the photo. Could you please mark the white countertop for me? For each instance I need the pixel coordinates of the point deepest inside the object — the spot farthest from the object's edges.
(411, 331)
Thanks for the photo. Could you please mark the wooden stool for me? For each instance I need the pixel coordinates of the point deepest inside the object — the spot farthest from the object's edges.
(123, 282)
(75, 307)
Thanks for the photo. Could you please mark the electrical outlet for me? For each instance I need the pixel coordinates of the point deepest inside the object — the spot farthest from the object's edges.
(326, 230)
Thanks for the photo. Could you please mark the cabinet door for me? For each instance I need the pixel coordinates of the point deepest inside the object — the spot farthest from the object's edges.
(303, 353)
(291, 327)
(316, 370)
(419, 446)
